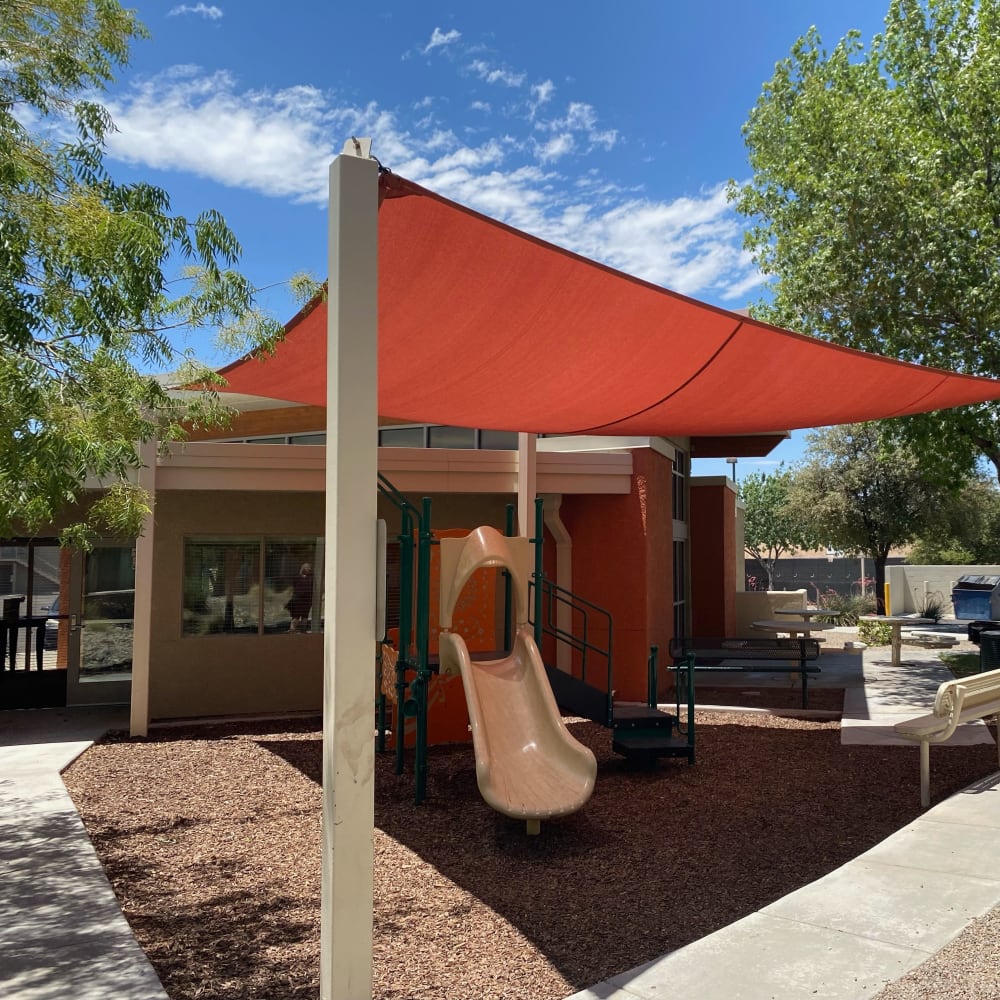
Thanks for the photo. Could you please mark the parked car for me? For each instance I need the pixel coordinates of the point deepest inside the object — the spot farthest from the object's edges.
(103, 608)
(52, 625)
(113, 606)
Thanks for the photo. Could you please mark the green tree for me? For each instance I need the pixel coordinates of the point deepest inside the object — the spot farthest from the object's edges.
(88, 300)
(967, 529)
(771, 527)
(862, 493)
(875, 201)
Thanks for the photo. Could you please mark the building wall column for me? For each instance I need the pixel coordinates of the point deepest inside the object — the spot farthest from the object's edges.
(143, 614)
(713, 561)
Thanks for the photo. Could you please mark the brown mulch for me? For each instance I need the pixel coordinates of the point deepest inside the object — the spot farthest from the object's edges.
(787, 697)
(211, 838)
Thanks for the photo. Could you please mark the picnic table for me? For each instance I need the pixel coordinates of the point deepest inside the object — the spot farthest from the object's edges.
(793, 628)
(808, 613)
(896, 622)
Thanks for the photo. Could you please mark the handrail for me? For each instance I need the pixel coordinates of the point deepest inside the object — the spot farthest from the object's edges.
(553, 595)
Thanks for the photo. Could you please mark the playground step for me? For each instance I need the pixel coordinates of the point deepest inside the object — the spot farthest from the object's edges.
(630, 716)
(647, 745)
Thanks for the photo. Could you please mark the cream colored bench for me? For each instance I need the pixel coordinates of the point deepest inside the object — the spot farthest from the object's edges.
(965, 699)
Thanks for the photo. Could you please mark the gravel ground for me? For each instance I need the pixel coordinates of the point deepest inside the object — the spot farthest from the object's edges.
(968, 968)
(210, 836)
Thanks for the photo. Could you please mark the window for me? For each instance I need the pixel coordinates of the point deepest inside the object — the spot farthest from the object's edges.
(680, 589)
(451, 437)
(680, 474)
(252, 585)
(402, 437)
(498, 440)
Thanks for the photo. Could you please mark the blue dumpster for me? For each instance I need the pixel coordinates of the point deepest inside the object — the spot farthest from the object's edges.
(976, 596)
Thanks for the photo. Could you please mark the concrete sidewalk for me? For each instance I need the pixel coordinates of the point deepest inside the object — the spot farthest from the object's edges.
(62, 934)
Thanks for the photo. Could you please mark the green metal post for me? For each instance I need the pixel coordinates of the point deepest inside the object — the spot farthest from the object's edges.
(405, 627)
(654, 652)
(508, 593)
(539, 572)
(423, 633)
(379, 707)
(691, 707)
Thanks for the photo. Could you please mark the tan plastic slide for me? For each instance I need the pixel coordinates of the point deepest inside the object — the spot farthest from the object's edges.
(528, 765)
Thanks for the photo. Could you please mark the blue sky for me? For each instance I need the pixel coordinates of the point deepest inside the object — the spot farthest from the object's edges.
(610, 129)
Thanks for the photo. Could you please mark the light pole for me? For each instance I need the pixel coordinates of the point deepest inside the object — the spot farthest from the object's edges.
(732, 464)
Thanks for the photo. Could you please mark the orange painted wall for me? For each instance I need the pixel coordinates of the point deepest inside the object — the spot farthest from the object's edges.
(622, 561)
(713, 558)
(653, 476)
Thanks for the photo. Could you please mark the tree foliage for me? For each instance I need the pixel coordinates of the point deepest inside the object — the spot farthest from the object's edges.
(771, 527)
(875, 201)
(967, 529)
(863, 493)
(88, 300)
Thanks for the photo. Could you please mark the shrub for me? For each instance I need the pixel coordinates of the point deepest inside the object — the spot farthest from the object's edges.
(875, 633)
(847, 606)
(933, 606)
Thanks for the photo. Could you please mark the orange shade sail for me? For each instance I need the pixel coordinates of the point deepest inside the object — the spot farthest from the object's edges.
(481, 325)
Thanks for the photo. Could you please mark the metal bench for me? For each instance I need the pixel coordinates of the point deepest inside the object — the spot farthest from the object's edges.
(791, 656)
(966, 699)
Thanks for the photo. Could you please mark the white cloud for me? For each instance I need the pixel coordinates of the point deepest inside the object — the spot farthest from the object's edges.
(212, 12)
(440, 39)
(556, 148)
(581, 118)
(279, 143)
(483, 106)
(542, 93)
(496, 74)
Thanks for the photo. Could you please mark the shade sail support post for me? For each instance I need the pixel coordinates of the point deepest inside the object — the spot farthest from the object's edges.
(347, 903)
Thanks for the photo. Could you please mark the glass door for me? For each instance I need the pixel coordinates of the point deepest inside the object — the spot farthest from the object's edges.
(100, 626)
(31, 673)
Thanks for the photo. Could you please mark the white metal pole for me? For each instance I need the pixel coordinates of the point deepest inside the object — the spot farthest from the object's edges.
(349, 649)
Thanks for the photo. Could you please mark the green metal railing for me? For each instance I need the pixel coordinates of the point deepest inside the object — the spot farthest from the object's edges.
(651, 667)
(551, 597)
(414, 616)
(687, 728)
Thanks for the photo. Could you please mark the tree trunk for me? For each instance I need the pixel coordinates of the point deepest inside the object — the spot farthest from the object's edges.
(881, 558)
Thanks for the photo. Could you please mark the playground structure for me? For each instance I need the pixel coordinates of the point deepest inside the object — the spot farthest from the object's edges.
(528, 765)
(514, 697)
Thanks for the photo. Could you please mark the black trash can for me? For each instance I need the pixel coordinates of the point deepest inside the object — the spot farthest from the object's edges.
(977, 628)
(976, 596)
(989, 651)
